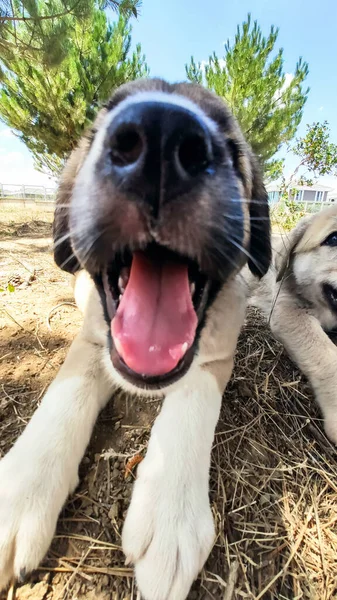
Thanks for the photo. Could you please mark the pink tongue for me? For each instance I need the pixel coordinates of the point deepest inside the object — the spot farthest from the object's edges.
(155, 322)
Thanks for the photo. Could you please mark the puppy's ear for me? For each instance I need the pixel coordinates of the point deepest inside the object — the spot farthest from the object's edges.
(290, 245)
(63, 252)
(260, 238)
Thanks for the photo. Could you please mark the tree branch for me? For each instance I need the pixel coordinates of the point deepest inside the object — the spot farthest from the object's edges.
(3, 19)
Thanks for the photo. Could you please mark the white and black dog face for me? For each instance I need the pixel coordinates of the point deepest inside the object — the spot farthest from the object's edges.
(161, 203)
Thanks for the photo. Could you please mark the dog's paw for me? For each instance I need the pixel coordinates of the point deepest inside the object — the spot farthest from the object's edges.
(30, 502)
(168, 535)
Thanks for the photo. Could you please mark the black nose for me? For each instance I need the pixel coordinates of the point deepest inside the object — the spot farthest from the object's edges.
(158, 151)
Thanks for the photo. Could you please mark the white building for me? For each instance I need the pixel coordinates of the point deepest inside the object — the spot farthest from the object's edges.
(304, 193)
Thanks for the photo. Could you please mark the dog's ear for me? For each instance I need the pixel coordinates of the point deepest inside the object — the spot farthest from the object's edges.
(289, 246)
(260, 237)
(63, 252)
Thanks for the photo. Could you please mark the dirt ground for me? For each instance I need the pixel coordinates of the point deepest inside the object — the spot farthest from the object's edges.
(273, 475)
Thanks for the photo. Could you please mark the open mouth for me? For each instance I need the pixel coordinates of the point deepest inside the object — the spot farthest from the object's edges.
(154, 301)
(330, 295)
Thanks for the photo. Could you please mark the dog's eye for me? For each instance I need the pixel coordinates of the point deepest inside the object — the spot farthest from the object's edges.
(331, 240)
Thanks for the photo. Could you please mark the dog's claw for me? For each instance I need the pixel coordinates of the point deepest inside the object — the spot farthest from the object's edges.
(23, 575)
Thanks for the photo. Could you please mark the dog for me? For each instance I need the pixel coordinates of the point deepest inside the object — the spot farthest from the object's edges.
(298, 296)
(158, 209)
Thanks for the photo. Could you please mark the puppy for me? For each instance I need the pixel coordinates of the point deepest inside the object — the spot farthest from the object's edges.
(161, 205)
(298, 296)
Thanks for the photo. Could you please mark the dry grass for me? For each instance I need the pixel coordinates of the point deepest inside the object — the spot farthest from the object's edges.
(274, 484)
(273, 475)
(15, 221)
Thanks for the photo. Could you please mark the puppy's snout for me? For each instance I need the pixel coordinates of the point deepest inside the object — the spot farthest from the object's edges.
(158, 150)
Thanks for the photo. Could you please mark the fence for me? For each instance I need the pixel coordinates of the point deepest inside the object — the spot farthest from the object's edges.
(32, 195)
(306, 206)
(313, 207)
(27, 192)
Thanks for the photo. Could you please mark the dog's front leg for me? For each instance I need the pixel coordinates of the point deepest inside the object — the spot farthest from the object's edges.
(312, 351)
(169, 529)
(40, 471)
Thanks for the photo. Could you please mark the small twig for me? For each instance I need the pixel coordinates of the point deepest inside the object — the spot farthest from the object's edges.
(66, 564)
(86, 538)
(232, 579)
(13, 319)
(56, 308)
(30, 270)
(75, 571)
(117, 572)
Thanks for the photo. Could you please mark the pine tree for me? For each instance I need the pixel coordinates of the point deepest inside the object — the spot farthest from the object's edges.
(49, 108)
(267, 103)
(39, 28)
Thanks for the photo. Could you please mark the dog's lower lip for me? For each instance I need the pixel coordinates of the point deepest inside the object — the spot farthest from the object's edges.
(156, 382)
(146, 377)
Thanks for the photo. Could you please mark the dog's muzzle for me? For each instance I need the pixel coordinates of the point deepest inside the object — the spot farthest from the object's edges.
(153, 295)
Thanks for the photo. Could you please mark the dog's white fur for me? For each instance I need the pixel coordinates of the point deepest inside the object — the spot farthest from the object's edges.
(296, 309)
(169, 528)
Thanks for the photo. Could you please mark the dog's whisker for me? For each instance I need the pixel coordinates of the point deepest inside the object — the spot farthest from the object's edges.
(62, 239)
(246, 252)
(67, 260)
(283, 279)
(87, 252)
(237, 244)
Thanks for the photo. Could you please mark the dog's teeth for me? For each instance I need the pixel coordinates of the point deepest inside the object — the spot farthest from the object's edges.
(120, 297)
(192, 289)
(123, 279)
(121, 284)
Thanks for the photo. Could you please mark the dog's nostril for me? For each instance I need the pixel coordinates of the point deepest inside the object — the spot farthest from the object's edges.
(126, 148)
(193, 155)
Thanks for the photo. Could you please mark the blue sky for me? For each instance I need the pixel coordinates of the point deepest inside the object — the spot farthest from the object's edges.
(170, 31)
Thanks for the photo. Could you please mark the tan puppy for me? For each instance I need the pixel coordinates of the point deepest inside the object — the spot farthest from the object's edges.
(299, 298)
